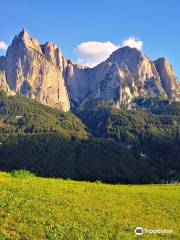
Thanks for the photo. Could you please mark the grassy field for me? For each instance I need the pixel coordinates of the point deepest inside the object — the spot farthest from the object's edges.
(37, 208)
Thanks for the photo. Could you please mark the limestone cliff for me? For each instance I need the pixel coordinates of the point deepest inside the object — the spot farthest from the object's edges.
(33, 72)
(53, 54)
(168, 78)
(126, 74)
(41, 72)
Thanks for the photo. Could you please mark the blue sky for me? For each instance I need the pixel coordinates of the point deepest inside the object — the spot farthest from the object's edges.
(68, 23)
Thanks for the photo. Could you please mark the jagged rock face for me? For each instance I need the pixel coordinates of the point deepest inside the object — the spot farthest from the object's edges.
(76, 80)
(3, 84)
(168, 78)
(40, 72)
(137, 75)
(34, 73)
(126, 74)
(53, 53)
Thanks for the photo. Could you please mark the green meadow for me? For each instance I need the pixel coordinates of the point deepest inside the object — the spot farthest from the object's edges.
(42, 208)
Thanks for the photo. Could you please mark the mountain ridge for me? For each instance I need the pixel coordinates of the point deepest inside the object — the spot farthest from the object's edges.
(40, 71)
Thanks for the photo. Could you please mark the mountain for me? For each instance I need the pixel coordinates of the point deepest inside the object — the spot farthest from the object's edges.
(40, 72)
(35, 71)
(126, 74)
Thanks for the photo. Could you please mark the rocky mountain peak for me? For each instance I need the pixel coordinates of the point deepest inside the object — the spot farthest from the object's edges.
(23, 39)
(126, 51)
(34, 73)
(130, 58)
(126, 55)
(41, 72)
(168, 78)
(24, 35)
(126, 74)
(53, 53)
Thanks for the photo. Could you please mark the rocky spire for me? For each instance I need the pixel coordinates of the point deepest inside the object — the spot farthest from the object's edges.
(24, 35)
(53, 53)
(168, 78)
(23, 39)
(30, 72)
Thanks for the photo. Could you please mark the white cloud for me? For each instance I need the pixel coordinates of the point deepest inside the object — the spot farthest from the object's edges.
(92, 53)
(3, 45)
(133, 43)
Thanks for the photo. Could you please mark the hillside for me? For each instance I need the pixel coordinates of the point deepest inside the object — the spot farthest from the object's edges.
(37, 208)
(20, 116)
(148, 118)
(123, 146)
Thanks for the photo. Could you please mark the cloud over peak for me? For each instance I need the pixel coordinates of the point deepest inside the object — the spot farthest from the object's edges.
(92, 53)
(133, 43)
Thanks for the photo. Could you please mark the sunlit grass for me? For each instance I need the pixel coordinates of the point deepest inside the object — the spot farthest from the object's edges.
(37, 208)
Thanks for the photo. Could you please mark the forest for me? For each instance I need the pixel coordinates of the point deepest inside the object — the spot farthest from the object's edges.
(95, 142)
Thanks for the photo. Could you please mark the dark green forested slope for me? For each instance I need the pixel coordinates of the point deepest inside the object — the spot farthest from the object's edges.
(20, 116)
(148, 118)
(130, 146)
